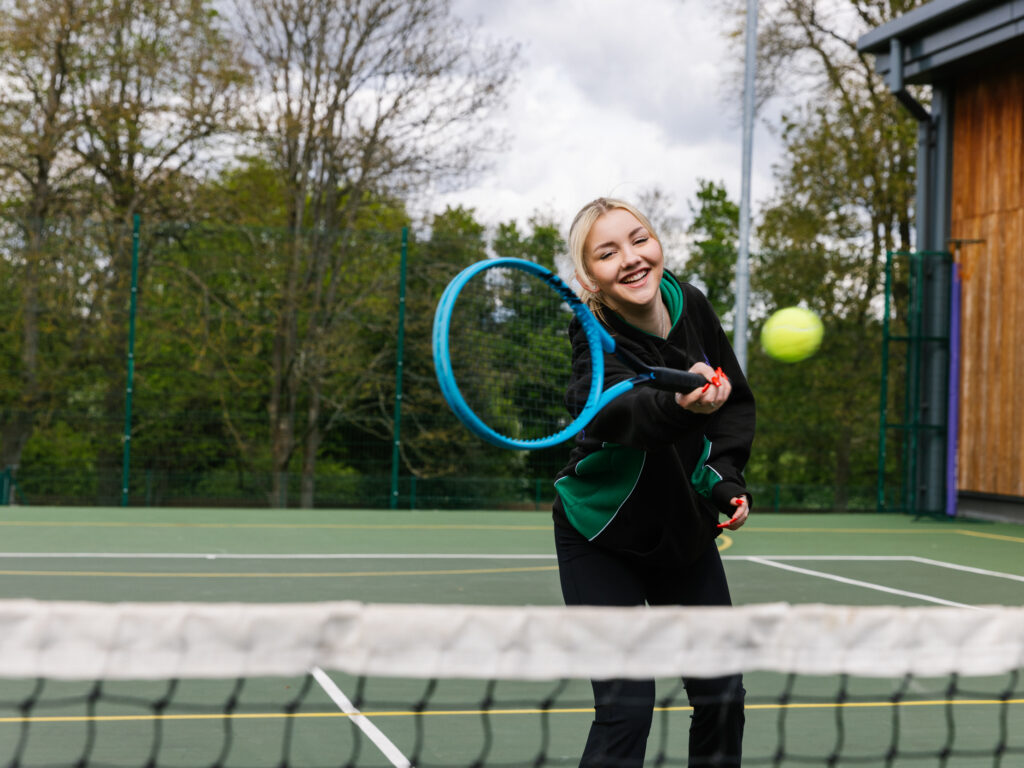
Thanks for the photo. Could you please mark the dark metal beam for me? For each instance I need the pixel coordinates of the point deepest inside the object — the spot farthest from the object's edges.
(943, 34)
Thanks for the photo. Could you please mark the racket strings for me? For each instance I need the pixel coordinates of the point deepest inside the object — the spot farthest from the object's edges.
(510, 353)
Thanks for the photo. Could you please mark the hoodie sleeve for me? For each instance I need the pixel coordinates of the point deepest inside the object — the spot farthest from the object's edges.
(642, 418)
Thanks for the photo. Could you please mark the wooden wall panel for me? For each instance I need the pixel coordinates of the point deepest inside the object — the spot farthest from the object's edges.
(971, 387)
(988, 203)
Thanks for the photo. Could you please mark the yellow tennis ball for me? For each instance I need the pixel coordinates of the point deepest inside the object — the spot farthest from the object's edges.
(792, 334)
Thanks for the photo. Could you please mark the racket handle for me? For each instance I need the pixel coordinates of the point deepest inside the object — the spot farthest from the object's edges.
(668, 379)
(672, 380)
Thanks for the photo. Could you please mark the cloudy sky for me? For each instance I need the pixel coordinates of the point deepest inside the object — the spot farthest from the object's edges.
(612, 97)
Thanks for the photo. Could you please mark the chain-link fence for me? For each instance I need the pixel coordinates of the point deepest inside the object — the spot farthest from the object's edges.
(267, 367)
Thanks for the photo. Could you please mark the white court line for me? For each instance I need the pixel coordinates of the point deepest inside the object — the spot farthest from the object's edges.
(889, 558)
(857, 582)
(383, 743)
(968, 569)
(820, 557)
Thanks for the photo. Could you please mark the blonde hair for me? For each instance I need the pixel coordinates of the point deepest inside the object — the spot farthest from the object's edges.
(578, 233)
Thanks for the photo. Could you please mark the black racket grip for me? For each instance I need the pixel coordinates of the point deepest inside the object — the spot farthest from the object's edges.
(673, 380)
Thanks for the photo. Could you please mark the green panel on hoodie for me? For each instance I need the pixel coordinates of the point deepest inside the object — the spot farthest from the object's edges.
(602, 481)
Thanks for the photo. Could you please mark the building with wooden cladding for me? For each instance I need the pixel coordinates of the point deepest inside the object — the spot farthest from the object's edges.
(970, 202)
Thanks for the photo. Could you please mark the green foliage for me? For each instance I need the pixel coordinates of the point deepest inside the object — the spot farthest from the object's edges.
(58, 463)
(714, 230)
(823, 246)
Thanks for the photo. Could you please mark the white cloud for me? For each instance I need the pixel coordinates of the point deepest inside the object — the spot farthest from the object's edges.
(612, 97)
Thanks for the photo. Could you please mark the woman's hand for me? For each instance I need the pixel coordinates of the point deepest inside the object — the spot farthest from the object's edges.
(711, 397)
(739, 517)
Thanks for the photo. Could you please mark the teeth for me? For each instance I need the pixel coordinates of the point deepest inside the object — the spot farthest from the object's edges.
(636, 277)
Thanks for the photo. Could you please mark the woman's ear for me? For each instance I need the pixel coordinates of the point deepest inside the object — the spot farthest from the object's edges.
(586, 283)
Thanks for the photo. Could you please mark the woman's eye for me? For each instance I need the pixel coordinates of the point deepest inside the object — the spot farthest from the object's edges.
(640, 240)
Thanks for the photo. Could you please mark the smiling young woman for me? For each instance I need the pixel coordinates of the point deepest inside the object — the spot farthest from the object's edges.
(638, 502)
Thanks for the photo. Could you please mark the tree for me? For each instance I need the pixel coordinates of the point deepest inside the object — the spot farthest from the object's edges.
(225, 274)
(813, 44)
(112, 102)
(160, 83)
(714, 233)
(39, 52)
(358, 100)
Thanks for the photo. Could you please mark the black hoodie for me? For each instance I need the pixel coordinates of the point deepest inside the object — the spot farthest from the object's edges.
(647, 477)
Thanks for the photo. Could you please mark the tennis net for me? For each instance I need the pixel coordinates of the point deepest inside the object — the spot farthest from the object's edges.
(349, 684)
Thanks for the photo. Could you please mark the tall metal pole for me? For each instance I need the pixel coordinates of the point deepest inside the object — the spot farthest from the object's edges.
(743, 258)
(126, 461)
(400, 354)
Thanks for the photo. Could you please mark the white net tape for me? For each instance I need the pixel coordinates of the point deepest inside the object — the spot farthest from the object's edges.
(71, 640)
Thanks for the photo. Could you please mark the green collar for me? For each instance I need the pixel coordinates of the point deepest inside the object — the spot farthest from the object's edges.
(672, 295)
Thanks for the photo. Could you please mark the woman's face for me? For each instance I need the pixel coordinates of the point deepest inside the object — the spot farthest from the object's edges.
(625, 262)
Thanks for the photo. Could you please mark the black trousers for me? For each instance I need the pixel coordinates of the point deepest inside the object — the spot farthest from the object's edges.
(624, 709)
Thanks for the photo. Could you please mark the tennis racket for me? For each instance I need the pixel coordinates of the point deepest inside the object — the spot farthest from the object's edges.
(504, 360)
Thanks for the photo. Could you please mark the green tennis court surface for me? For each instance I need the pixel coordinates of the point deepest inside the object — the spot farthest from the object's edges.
(492, 558)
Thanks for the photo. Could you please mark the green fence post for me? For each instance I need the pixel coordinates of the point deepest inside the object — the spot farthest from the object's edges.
(400, 352)
(126, 461)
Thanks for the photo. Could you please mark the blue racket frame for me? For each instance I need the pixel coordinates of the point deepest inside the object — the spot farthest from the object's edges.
(599, 340)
